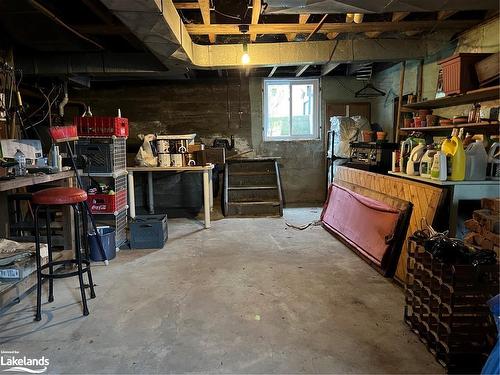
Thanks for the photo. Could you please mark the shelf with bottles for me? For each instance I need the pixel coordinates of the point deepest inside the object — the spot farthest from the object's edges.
(489, 127)
(475, 96)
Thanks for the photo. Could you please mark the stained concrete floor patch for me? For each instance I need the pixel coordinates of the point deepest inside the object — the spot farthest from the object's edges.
(246, 296)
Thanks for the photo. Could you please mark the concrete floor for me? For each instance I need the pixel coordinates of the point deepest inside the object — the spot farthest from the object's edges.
(246, 296)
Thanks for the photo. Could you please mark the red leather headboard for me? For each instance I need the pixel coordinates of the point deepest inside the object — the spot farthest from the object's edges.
(368, 226)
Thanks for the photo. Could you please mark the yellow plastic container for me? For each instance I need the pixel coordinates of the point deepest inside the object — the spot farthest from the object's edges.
(455, 155)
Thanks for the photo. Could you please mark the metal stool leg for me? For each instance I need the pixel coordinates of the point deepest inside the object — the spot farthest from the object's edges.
(86, 248)
(49, 245)
(78, 255)
(38, 315)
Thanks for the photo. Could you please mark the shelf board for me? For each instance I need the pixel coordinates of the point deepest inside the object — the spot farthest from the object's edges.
(488, 93)
(486, 126)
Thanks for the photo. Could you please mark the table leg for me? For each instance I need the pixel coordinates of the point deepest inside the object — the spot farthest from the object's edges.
(206, 198)
(151, 194)
(4, 217)
(211, 189)
(131, 194)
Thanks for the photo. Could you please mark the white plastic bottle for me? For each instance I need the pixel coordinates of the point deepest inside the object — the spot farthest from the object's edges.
(413, 165)
(426, 162)
(476, 161)
(439, 167)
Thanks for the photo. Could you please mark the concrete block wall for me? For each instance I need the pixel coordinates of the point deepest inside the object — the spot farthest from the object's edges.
(221, 108)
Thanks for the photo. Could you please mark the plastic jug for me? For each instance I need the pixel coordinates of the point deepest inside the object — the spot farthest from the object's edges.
(406, 147)
(439, 170)
(476, 161)
(494, 161)
(426, 162)
(413, 165)
(455, 154)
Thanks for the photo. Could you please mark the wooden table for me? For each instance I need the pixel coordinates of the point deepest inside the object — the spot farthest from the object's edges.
(64, 178)
(460, 191)
(10, 292)
(207, 186)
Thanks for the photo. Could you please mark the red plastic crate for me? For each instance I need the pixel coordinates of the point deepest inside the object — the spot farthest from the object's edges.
(106, 203)
(98, 126)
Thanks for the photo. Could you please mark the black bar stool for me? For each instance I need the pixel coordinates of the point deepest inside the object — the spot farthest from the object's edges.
(62, 196)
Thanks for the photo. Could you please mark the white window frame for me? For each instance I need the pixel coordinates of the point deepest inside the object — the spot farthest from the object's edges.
(316, 108)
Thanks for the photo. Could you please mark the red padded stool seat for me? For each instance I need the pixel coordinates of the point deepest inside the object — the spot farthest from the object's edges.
(59, 196)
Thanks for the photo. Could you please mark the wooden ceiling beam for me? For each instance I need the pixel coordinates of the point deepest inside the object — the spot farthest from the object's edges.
(444, 14)
(186, 5)
(205, 14)
(318, 26)
(396, 17)
(303, 18)
(301, 69)
(256, 9)
(441, 16)
(286, 28)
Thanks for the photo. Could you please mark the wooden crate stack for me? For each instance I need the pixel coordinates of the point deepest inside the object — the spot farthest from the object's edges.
(484, 227)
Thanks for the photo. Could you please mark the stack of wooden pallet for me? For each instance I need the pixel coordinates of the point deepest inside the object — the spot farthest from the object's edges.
(484, 227)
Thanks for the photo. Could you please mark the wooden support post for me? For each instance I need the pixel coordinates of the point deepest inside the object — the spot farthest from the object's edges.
(400, 101)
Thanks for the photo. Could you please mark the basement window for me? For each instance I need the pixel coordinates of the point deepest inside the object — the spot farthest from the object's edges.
(291, 109)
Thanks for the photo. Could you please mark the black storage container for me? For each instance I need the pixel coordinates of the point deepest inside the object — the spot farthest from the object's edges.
(148, 232)
(103, 155)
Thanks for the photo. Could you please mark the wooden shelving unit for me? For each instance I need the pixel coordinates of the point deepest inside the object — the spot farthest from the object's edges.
(482, 126)
(480, 95)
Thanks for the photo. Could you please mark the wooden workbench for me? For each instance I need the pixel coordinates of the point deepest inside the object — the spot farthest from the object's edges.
(426, 200)
(207, 186)
(12, 291)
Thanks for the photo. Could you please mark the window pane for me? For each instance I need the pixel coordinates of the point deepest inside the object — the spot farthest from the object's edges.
(303, 109)
(278, 110)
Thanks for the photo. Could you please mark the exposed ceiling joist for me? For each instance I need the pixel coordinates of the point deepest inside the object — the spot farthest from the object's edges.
(396, 17)
(205, 14)
(332, 35)
(328, 67)
(300, 70)
(187, 5)
(444, 14)
(302, 19)
(256, 9)
(273, 70)
(318, 26)
(285, 28)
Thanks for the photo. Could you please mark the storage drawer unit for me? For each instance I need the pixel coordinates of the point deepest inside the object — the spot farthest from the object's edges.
(148, 232)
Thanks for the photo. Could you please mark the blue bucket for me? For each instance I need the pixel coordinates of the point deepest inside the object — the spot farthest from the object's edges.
(108, 243)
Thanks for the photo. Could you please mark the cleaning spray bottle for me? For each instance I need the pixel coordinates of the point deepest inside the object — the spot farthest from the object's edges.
(413, 165)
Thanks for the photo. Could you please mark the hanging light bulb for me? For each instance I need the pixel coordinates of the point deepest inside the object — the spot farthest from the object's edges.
(245, 58)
